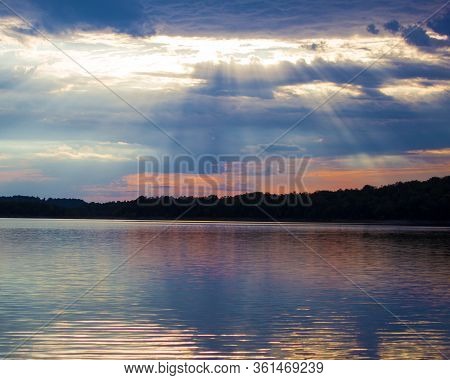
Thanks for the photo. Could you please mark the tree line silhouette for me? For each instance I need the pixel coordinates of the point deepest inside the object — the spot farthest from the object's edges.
(414, 200)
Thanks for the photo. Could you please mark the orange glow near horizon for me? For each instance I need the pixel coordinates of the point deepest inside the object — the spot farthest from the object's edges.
(322, 174)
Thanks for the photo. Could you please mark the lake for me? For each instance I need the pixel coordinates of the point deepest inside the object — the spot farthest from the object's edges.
(187, 290)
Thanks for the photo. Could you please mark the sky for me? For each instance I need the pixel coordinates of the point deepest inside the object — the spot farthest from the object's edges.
(86, 87)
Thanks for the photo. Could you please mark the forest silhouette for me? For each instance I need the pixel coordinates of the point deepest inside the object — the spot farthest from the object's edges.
(410, 201)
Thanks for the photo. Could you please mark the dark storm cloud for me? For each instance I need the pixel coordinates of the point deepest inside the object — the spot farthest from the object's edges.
(287, 17)
(441, 24)
(371, 28)
(392, 26)
(415, 34)
(59, 16)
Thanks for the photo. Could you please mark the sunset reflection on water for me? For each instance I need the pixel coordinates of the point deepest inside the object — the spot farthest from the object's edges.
(223, 290)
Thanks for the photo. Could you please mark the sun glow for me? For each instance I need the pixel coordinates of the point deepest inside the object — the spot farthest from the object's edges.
(316, 90)
(417, 90)
(163, 62)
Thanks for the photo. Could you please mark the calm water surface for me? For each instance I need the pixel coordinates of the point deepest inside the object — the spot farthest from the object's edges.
(223, 290)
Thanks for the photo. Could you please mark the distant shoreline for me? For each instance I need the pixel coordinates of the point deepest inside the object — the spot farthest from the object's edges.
(403, 203)
(412, 223)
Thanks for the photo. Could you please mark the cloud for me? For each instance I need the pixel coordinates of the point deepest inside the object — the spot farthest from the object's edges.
(392, 26)
(61, 16)
(15, 77)
(233, 103)
(441, 24)
(416, 90)
(371, 28)
(431, 152)
(24, 31)
(82, 151)
(215, 94)
(416, 35)
(356, 171)
(22, 175)
(257, 80)
(315, 46)
(216, 17)
(274, 149)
